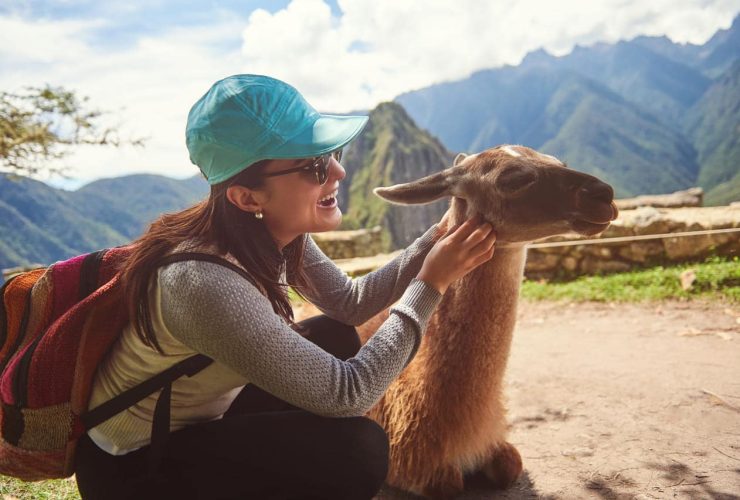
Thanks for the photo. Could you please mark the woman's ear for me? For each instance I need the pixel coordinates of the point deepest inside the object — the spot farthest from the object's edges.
(244, 198)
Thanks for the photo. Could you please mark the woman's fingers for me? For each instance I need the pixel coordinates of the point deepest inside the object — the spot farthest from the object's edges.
(485, 249)
(466, 229)
(479, 234)
(451, 230)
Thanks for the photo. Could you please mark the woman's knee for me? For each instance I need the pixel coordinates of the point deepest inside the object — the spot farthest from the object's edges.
(333, 336)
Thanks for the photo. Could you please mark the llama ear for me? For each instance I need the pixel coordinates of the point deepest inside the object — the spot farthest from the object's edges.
(459, 158)
(425, 190)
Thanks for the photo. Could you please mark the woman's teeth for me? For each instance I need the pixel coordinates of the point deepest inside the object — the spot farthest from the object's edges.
(329, 200)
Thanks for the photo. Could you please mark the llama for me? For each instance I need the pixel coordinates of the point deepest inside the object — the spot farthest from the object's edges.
(445, 415)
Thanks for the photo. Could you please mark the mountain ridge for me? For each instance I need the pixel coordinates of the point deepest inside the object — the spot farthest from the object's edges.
(570, 106)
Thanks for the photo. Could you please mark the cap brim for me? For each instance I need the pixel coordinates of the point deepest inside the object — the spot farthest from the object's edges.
(328, 133)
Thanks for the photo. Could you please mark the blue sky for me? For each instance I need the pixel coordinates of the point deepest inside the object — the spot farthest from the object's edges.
(146, 62)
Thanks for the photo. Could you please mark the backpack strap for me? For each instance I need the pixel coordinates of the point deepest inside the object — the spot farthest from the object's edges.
(163, 380)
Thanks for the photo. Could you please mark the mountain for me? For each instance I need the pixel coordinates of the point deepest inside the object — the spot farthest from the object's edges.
(653, 82)
(712, 58)
(127, 203)
(722, 50)
(391, 150)
(714, 126)
(631, 112)
(41, 224)
(560, 112)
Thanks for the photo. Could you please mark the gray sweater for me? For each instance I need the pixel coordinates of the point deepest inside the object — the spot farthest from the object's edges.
(201, 307)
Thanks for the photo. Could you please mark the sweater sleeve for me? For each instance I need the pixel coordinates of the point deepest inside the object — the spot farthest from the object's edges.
(354, 301)
(214, 311)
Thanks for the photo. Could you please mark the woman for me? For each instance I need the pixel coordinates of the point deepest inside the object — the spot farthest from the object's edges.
(279, 414)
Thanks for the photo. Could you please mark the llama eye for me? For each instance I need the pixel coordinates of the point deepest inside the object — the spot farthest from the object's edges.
(513, 180)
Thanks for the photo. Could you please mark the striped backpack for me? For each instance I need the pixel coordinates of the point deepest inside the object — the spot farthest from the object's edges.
(56, 326)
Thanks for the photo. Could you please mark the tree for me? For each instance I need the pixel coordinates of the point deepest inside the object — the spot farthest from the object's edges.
(39, 125)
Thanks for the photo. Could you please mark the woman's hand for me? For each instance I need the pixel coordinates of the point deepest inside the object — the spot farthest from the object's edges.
(459, 251)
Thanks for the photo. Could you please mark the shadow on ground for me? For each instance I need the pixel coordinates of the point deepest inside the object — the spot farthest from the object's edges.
(676, 478)
(523, 489)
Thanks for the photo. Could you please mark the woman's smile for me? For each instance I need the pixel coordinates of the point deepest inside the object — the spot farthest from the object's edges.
(329, 201)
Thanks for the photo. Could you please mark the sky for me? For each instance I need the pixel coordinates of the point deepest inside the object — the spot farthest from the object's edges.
(145, 62)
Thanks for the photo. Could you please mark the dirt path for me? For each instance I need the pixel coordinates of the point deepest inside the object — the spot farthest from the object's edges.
(626, 401)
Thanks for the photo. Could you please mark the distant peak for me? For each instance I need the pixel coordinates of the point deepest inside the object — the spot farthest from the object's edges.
(537, 56)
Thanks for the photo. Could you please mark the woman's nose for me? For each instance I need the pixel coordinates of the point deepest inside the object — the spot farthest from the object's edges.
(336, 170)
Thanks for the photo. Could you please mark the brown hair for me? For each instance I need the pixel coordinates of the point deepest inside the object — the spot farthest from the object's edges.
(215, 221)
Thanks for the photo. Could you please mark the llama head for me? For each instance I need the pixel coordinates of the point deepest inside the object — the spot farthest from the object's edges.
(524, 194)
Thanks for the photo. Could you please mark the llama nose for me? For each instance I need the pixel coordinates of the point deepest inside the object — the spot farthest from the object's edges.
(597, 191)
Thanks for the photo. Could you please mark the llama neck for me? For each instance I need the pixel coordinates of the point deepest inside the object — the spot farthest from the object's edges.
(472, 329)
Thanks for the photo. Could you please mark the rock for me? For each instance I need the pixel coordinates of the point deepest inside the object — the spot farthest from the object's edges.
(570, 264)
(538, 261)
(593, 265)
(687, 279)
(649, 220)
(642, 251)
(350, 244)
(692, 197)
(687, 246)
(618, 228)
(602, 252)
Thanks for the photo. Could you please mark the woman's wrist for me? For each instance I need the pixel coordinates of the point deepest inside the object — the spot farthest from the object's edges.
(436, 284)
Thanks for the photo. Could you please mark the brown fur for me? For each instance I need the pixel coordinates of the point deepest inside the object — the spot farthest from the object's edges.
(445, 414)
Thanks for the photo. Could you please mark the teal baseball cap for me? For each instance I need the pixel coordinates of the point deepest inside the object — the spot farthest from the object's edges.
(244, 119)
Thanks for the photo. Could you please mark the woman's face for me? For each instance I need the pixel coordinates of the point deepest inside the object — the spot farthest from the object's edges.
(291, 204)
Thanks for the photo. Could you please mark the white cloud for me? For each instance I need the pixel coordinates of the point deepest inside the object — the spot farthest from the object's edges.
(148, 88)
(414, 44)
(372, 51)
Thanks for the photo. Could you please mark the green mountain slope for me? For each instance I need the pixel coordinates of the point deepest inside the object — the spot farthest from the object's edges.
(129, 203)
(722, 50)
(41, 224)
(23, 243)
(566, 114)
(653, 82)
(609, 138)
(644, 114)
(714, 125)
(391, 150)
(53, 212)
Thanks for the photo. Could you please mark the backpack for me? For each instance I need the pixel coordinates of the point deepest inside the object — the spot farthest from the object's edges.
(56, 326)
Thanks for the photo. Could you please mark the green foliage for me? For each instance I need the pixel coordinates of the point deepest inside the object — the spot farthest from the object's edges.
(714, 124)
(724, 193)
(391, 150)
(644, 157)
(59, 489)
(716, 278)
(40, 224)
(41, 124)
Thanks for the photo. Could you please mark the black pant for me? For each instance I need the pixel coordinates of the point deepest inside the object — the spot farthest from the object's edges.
(263, 448)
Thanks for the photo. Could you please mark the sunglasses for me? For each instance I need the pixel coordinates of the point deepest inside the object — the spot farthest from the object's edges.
(319, 166)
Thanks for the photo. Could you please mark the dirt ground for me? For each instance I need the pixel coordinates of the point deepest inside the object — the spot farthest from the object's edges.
(624, 401)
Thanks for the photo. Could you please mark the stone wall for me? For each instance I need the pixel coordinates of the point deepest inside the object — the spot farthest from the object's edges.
(692, 197)
(621, 256)
(573, 260)
(350, 244)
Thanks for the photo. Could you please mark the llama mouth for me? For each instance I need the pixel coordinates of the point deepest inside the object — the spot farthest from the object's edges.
(588, 228)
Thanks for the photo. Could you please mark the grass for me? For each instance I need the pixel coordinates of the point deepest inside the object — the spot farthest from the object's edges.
(60, 489)
(716, 278)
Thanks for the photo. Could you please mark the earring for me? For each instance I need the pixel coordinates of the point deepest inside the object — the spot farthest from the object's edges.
(258, 215)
